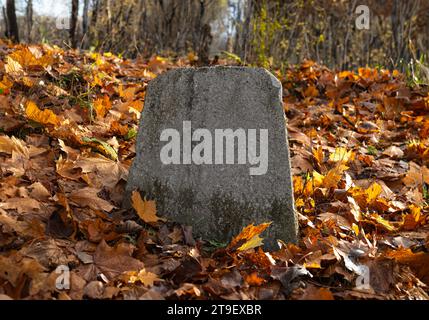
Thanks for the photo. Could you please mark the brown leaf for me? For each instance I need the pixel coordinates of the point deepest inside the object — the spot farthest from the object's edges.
(22, 205)
(31, 228)
(176, 235)
(393, 152)
(314, 293)
(418, 262)
(113, 261)
(87, 197)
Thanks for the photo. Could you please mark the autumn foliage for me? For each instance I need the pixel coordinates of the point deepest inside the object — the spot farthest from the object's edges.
(68, 121)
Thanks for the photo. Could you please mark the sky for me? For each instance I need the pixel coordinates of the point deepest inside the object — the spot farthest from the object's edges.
(56, 8)
(52, 7)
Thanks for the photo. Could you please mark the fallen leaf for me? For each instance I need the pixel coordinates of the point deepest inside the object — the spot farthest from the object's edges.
(87, 197)
(113, 261)
(418, 262)
(146, 209)
(253, 279)
(314, 293)
(22, 205)
(44, 117)
(341, 155)
(145, 277)
(393, 152)
(248, 237)
(102, 106)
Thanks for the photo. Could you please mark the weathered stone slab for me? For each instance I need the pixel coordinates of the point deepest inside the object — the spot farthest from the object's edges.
(185, 163)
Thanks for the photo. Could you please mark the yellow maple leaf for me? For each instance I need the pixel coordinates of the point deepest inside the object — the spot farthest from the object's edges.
(146, 209)
(42, 116)
(254, 242)
(28, 81)
(249, 237)
(299, 203)
(388, 225)
(373, 192)
(12, 67)
(312, 265)
(6, 84)
(341, 155)
(97, 80)
(355, 229)
(317, 178)
(318, 154)
(334, 176)
(143, 276)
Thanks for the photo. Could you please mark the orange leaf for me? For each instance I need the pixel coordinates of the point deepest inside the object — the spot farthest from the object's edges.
(249, 237)
(42, 116)
(414, 219)
(334, 176)
(31, 57)
(311, 91)
(6, 84)
(318, 154)
(253, 279)
(128, 93)
(102, 106)
(146, 209)
(314, 293)
(418, 262)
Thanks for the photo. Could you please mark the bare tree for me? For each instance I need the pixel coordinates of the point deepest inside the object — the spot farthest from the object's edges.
(73, 23)
(85, 19)
(29, 19)
(12, 28)
(6, 23)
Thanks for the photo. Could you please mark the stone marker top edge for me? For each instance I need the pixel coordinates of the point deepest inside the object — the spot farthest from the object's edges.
(255, 70)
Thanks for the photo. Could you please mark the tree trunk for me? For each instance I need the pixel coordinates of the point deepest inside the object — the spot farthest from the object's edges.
(29, 19)
(85, 22)
(85, 16)
(73, 23)
(94, 15)
(13, 33)
(6, 24)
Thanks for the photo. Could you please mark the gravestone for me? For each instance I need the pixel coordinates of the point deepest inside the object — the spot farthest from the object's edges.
(212, 151)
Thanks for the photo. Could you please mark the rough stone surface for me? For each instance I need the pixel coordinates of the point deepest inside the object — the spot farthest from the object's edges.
(217, 200)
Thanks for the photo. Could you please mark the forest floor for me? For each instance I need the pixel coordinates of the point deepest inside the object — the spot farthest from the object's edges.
(68, 121)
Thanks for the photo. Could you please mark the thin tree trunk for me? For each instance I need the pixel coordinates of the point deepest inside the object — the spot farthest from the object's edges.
(6, 23)
(29, 19)
(11, 18)
(73, 23)
(85, 22)
(94, 16)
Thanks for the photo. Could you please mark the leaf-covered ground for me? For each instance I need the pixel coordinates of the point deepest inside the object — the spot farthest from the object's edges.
(68, 122)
